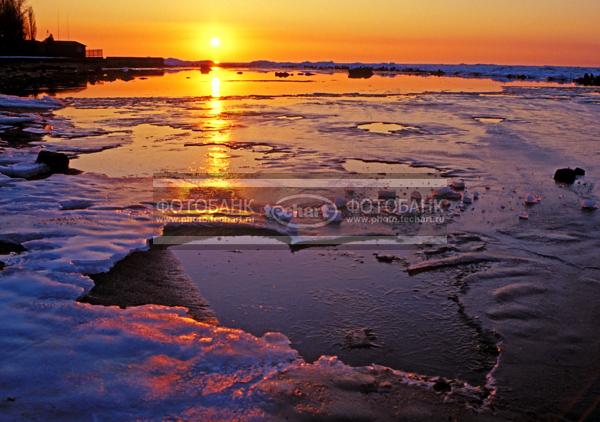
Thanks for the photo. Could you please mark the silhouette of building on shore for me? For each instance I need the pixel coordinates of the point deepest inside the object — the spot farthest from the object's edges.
(56, 52)
(47, 48)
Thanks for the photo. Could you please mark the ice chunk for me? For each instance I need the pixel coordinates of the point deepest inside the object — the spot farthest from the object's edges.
(4, 179)
(15, 120)
(44, 103)
(84, 145)
(277, 213)
(331, 213)
(76, 204)
(36, 130)
(589, 205)
(25, 170)
(532, 199)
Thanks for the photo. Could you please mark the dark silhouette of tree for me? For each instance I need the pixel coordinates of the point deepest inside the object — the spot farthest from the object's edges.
(17, 22)
(31, 31)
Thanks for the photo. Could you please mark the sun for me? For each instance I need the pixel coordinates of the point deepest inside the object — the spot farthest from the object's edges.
(215, 42)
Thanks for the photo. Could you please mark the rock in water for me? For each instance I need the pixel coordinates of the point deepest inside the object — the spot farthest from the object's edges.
(388, 259)
(360, 72)
(568, 175)
(446, 192)
(57, 161)
(532, 199)
(7, 247)
(442, 386)
(361, 338)
(458, 185)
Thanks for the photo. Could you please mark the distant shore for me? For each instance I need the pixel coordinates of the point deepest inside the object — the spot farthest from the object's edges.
(35, 75)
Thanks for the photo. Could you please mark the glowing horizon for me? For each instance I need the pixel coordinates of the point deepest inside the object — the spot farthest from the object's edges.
(409, 31)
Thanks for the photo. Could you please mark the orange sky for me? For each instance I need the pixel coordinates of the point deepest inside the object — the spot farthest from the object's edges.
(418, 31)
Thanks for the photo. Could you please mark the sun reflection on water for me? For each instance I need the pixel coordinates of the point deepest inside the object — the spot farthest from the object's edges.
(215, 91)
(218, 158)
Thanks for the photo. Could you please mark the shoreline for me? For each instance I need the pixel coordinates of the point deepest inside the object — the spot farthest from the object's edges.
(512, 303)
(34, 76)
(326, 388)
(152, 277)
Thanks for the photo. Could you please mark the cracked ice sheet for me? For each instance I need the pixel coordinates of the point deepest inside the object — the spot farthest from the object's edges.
(69, 360)
(60, 357)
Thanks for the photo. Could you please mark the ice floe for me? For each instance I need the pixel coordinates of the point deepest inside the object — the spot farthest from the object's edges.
(25, 170)
(589, 205)
(44, 103)
(15, 120)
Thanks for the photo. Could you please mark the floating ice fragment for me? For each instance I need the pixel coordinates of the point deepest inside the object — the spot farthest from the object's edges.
(452, 261)
(446, 193)
(532, 199)
(276, 338)
(46, 103)
(467, 199)
(331, 213)
(268, 211)
(281, 214)
(36, 130)
(25, 170)
(385, 128)
(340, 202)
(5, 180)
(489, 120)
(589, 205)
(361, 338)
(15, 120)
(75, 204)
(277, 213)
(524, 216)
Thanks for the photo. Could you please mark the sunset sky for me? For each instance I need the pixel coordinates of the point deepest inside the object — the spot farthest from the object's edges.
(435, 31)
